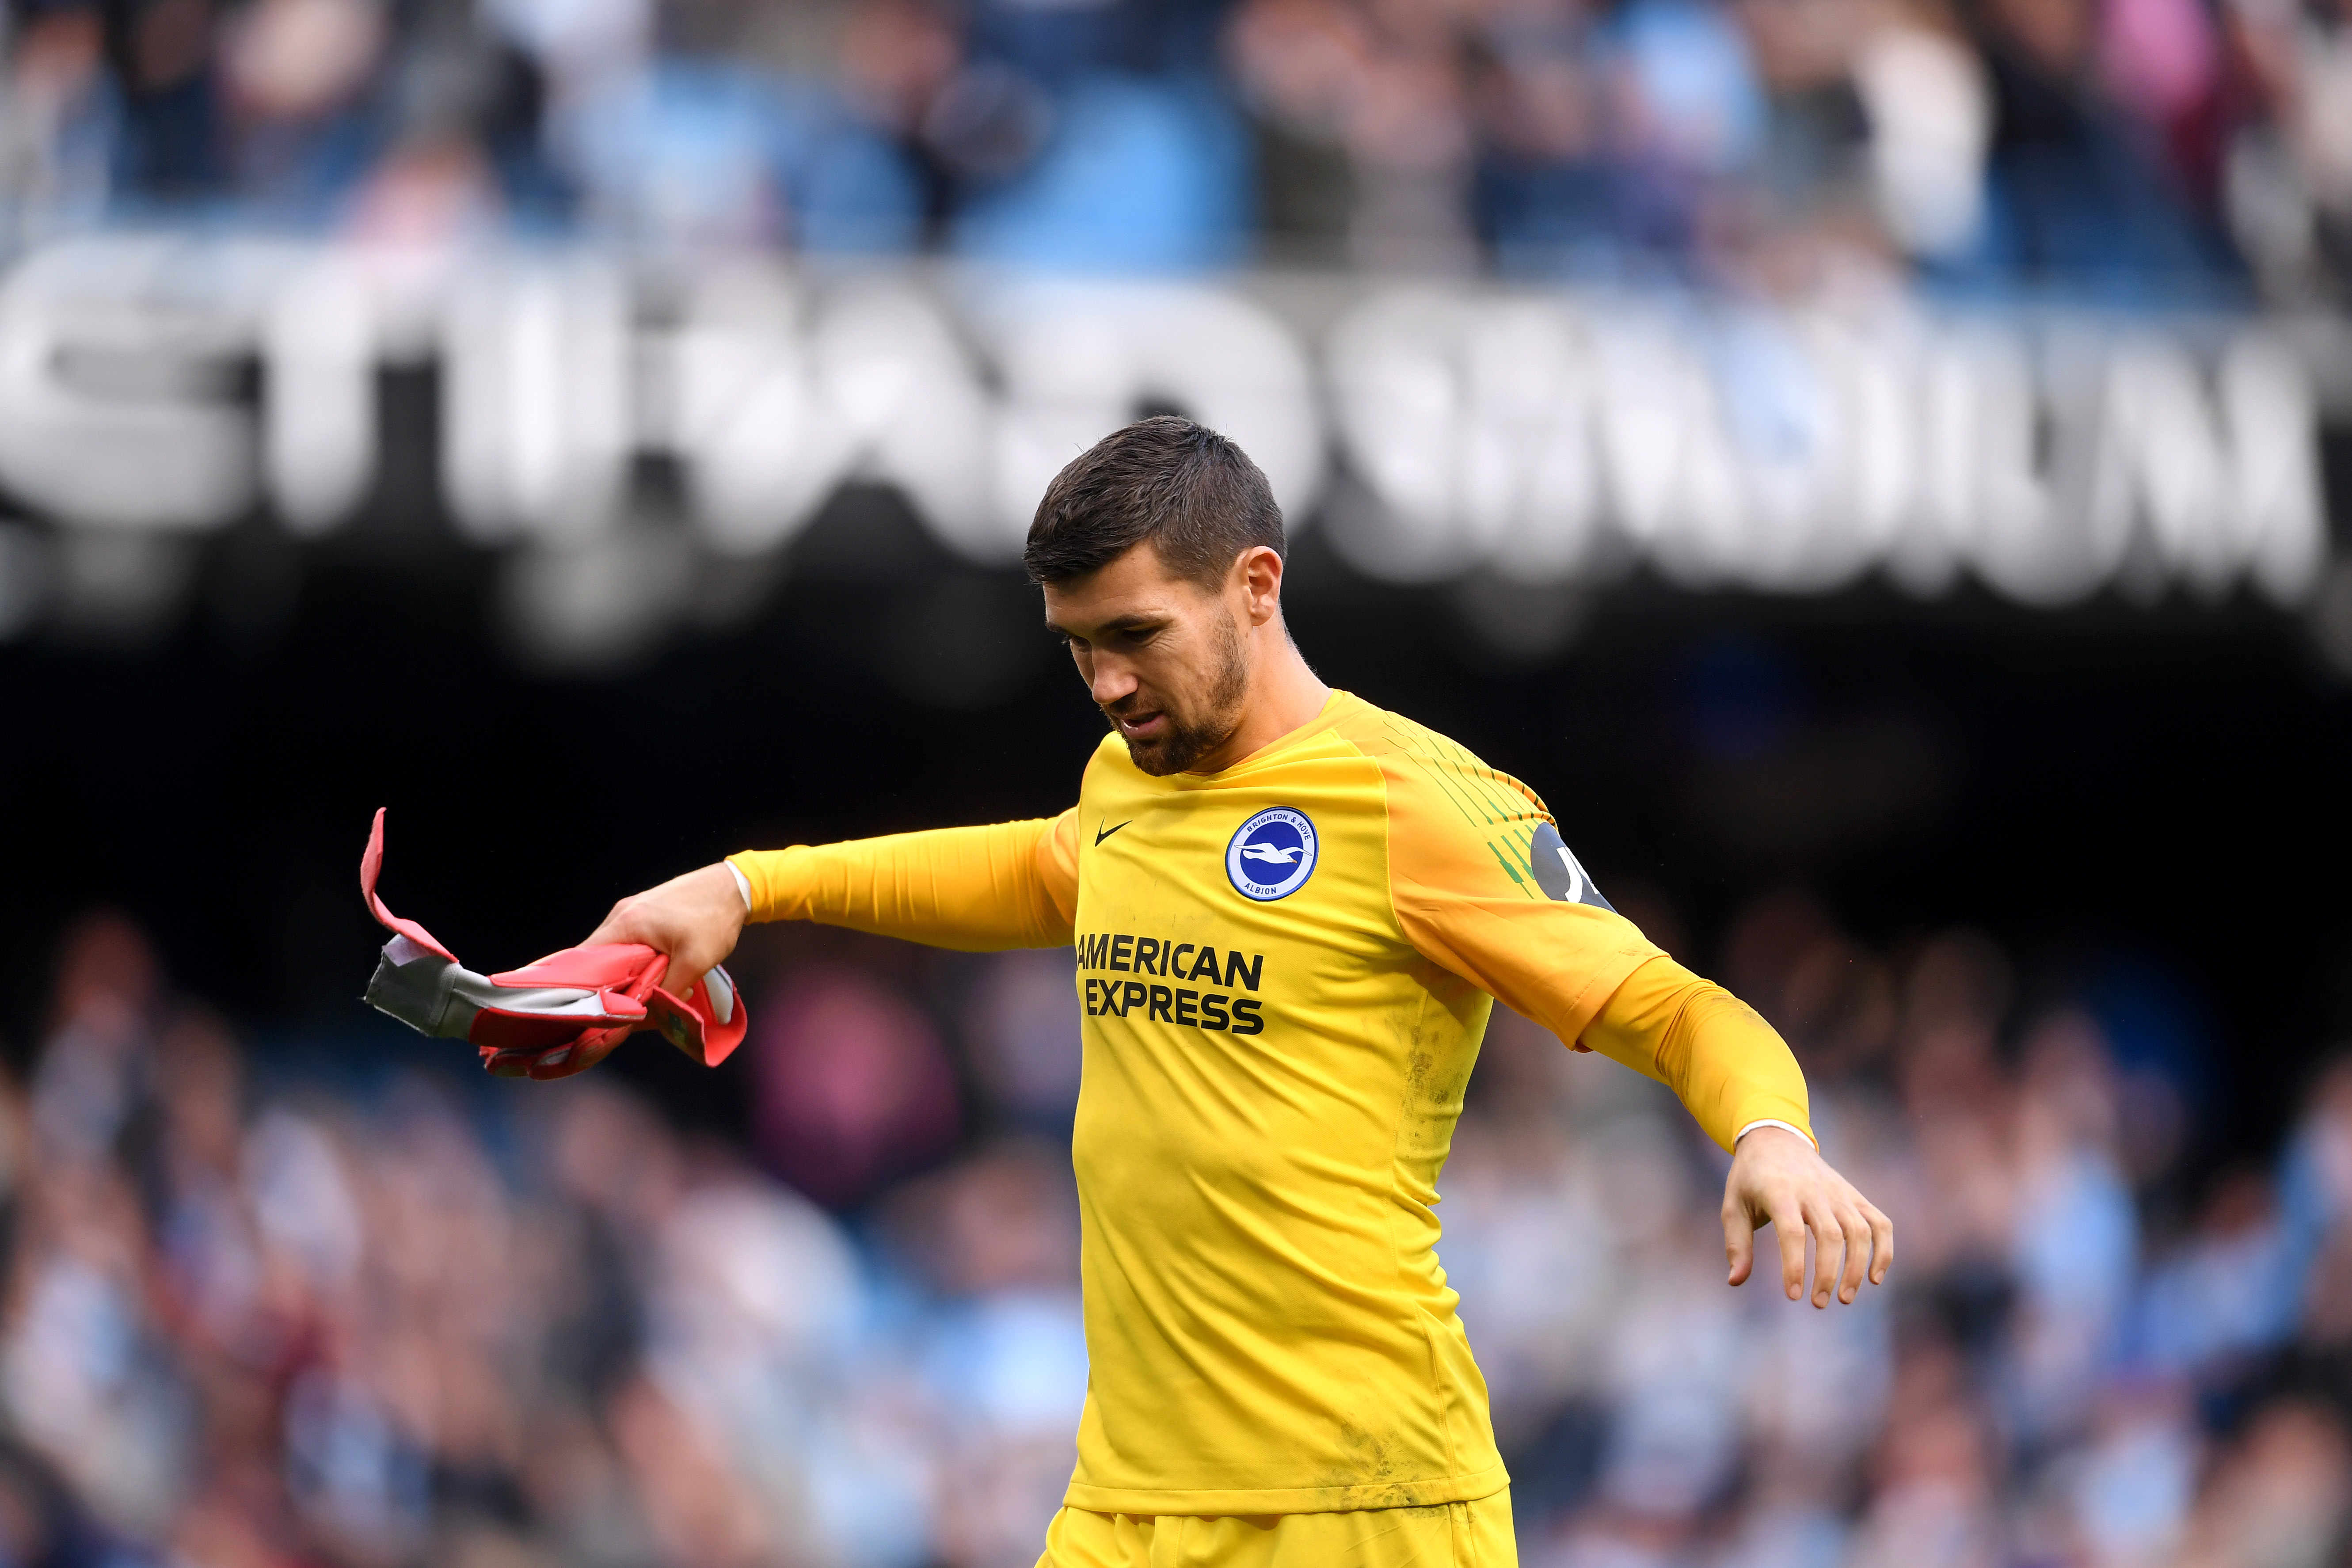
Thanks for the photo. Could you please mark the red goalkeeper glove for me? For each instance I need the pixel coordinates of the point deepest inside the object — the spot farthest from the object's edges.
(550, 1019)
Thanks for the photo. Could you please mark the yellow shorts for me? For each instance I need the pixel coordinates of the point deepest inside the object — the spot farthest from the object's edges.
(1445, 1535)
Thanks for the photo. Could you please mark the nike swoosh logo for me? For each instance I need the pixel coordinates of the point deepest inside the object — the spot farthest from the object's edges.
(1102, 833)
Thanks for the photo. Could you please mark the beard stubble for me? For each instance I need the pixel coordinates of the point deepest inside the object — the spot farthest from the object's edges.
(1193, 735)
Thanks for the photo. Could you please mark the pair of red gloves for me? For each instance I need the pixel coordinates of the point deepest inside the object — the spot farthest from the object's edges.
(550, 1019)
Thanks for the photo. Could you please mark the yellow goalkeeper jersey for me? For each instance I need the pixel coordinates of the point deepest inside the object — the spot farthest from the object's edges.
(1285, 969)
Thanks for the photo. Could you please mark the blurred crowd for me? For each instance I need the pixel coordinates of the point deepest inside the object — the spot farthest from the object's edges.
(2123, 150)
(268, 1308)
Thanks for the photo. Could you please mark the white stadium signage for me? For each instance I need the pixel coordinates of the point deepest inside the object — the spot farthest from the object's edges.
(1433, 432)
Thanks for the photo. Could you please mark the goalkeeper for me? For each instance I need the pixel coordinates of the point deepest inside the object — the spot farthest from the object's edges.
(1292, 912)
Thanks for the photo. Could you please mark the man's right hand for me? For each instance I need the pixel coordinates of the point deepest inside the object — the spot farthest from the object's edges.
(694, 920)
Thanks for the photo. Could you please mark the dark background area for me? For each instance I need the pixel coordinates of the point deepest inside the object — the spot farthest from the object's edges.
(2152, 793)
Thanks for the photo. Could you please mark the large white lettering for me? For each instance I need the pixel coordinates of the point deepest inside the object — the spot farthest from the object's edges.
(153, 386)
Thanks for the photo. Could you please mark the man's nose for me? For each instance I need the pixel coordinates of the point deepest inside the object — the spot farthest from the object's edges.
(1111, 680)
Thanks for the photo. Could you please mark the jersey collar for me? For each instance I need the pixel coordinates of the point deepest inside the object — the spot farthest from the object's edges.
(1335, 707)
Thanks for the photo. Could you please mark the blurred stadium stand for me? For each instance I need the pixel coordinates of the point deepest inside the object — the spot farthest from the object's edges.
(1880, 468)
(309, 1307)
(2128, 152)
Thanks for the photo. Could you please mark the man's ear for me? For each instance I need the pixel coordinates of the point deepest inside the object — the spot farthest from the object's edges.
(1259, 569)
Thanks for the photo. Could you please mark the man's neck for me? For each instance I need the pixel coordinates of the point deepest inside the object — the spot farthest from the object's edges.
(1283, 695)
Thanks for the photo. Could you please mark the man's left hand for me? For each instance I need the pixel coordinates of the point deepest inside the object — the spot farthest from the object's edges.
(1781, 1180)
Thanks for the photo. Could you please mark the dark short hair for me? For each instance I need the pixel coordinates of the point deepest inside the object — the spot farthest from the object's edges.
(1189, 493)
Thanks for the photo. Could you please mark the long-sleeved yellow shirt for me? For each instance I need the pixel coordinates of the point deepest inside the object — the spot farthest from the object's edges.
(1285, 970)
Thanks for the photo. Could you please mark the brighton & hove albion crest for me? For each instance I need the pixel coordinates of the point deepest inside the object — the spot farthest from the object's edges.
(1272, 854)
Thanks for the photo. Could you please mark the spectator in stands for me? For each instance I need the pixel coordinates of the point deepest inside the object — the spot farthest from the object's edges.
(2084, 202)
(279, 1317)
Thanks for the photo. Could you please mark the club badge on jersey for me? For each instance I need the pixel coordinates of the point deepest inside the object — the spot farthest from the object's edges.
(1272, 854)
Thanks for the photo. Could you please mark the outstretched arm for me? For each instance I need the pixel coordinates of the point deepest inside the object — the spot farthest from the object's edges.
(978, 889)
(1484, 887)
(1738, 1079)
(1011, 884)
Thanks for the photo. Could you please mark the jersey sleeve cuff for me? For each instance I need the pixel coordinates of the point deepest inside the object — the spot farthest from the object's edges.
(1774, 1121)
(759, 876)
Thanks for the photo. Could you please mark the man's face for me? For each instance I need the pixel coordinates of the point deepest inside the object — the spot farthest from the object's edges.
(1163, 658)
